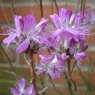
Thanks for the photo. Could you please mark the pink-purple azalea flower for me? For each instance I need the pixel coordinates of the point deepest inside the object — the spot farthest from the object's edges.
(71, 30)
(52, 65)
(21, 90)
(27, 31)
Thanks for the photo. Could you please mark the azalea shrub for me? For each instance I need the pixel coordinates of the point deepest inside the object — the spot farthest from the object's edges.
(64, 37)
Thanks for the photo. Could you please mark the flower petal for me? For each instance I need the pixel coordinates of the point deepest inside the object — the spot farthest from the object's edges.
(15, 91)
(9, 39)
(65, 15)
(21, 84)
(54, 73)
(78, 19)
(29, 23)
(23, 46)
(79, 56)
(29, 90)
(62, 13)
(56, 20)
(41, 25)
(18, 23)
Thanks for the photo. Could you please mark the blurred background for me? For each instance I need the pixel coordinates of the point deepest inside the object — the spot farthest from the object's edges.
(12, 64)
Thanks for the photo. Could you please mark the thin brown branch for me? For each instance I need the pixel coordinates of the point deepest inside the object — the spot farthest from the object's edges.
(81, 5)
(70, 80)
(4, 12)
(8, 59)
(14, 12)
(72, 68)
(60, 93)
(66, 4)
(42, 83)
(35, 1)
(31, 55)
(55, 2)
(41, 8)
(82, 8)
(52, 6)
(90, 86)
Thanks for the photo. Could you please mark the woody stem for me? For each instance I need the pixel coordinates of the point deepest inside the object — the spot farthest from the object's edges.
(33, 72)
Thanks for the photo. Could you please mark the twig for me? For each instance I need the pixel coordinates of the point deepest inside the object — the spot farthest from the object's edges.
(55, 2)
(31, 67)
(87, 83)
(72, 68)
(41, 8)
(42, 83)
(84, 2)
(31, 55)
(55, 86)
(81, 5)
(82, 8)
(3, 9)
(69, 77)
(52, 6)
(69, 80)
(13, 7)
(42, 91)
(78, 6)
(66, 3)
(36, 2)
(69, 74)
(28, 62)
(8, 59)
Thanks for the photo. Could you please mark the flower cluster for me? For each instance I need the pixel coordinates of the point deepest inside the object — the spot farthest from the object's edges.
(67, 40)
(65, 37)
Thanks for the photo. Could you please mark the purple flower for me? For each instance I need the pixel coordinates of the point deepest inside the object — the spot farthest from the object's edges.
(52, 65)
(31, 32)
(62, 23)
(27, 31)
(79, 56)
(71, 30)
(20, 89)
